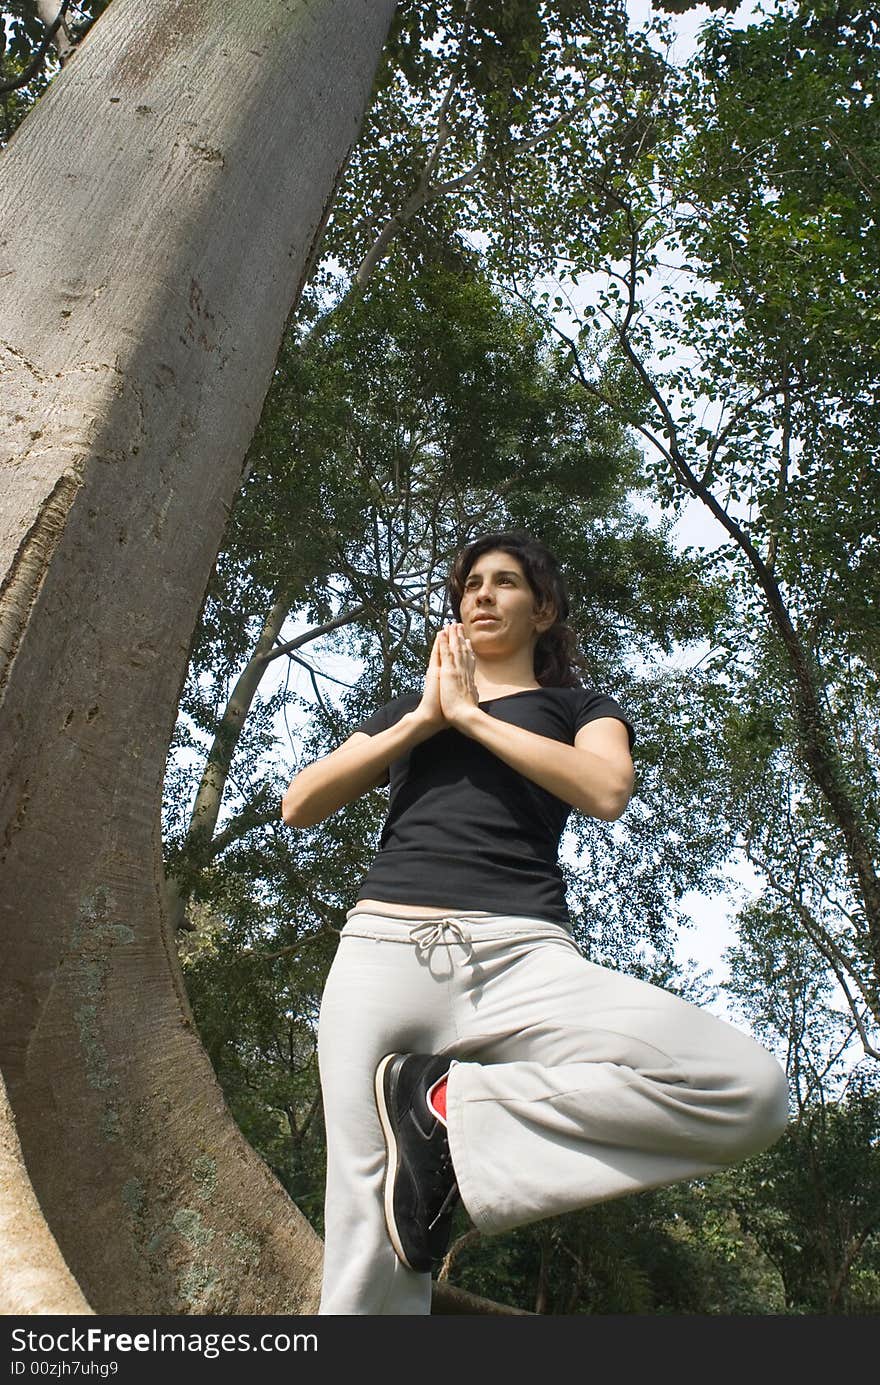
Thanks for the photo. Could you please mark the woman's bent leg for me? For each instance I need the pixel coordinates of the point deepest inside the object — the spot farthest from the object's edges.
(590, 1084)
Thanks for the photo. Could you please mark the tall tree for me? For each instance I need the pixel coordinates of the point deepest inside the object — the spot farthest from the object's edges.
(812, 1202)
(147, 275)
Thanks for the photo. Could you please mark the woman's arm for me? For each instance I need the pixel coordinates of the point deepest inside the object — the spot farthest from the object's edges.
(360, 762)
(354, 767)
(595, 775)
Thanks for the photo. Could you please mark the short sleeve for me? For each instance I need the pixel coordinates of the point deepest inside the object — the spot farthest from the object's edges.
(385, 717)
(374, 724)
(593, 705)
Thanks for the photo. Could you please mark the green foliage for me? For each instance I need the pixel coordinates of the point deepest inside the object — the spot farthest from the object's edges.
(812, 1202)
(407, 416)
(675, 837)
(731, 322)
(493, 172)
(781, 175)
(20, 33)
(781, 985)
(679, 1250)
(682, 6)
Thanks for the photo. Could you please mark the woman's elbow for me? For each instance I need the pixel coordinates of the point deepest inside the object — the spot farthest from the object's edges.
(614, 799)
(294, 812)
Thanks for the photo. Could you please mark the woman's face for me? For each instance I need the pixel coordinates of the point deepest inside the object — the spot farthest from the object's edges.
(499, 611)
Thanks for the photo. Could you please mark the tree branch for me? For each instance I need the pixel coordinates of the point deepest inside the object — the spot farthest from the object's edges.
(512, 150)
(39, 57)
(447, 1299)
(315, 633)
(458, 1245)
(817, 744)
(784, 459)
(422, 193)
(822, 939)
(56, 26)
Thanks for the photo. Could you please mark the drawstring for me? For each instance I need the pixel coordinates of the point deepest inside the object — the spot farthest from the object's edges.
(445, 930)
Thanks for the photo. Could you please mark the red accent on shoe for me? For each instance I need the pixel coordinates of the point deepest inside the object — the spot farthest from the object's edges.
(437, 1097)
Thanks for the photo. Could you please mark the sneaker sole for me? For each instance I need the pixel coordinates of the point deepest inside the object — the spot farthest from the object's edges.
(390, 1158)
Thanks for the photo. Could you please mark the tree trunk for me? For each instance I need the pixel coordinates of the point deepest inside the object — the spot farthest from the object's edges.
(146, 273)
(34, 1278)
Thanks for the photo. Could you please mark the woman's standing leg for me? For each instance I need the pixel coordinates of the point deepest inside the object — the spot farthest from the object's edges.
(380, 995)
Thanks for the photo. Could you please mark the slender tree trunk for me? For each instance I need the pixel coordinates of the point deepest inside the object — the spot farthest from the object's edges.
(203, 820)
(207, 804)
(146, 274)
(200, 840)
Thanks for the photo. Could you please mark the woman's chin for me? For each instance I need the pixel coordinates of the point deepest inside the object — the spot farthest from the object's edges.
(488, 648)
(485, 631)
(486, 643)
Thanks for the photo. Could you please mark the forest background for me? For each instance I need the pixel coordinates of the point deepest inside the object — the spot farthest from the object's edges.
(576, 282)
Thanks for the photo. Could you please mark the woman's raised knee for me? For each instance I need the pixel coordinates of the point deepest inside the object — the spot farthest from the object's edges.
(766, 1114)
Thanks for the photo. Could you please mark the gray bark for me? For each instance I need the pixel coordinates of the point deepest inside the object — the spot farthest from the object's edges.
(146, 274)
(34, 1278)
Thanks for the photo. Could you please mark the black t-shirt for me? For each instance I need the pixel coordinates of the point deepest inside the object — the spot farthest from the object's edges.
(466, 831)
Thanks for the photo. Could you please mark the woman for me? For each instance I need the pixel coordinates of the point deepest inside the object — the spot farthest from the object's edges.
(468, 1050)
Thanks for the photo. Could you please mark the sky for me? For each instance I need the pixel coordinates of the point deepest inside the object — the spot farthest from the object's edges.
(685, 25)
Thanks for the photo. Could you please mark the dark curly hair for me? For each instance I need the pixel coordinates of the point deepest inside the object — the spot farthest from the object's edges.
(556, 656)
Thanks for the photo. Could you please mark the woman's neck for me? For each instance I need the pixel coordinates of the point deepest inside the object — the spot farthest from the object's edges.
(507, 676)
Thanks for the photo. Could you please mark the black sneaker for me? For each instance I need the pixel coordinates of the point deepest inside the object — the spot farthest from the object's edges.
(420, 1188)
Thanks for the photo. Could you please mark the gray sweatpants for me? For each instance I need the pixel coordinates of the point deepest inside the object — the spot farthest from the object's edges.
(571, 1084)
